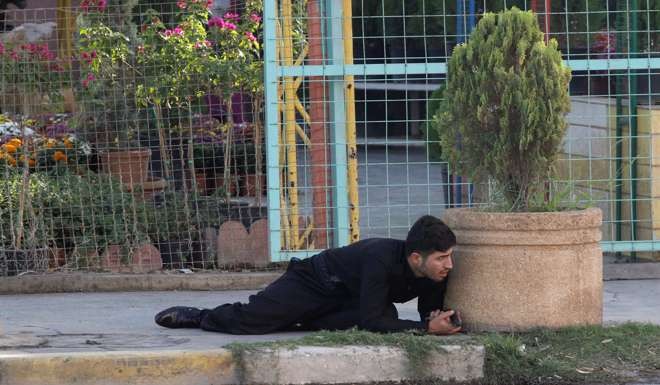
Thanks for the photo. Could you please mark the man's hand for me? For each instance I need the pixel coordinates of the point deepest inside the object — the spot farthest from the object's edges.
(440, 324)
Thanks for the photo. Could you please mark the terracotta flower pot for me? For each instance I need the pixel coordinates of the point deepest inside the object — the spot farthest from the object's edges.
(130, 166)
(517, 271)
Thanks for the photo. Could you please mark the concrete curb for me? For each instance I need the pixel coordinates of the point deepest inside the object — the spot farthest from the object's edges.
(361, 364)
(303, 365)
(107, 282)
(119, 368)
(98, 282)
(622, 271)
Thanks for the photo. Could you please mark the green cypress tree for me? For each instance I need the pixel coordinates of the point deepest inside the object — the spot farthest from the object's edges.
(503, 115)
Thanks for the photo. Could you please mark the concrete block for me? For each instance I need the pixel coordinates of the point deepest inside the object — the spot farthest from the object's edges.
(232, 243)
(146, 258)
(111, 259)
(235, 245)
(587, 140)
(359, 364)
(589, 112)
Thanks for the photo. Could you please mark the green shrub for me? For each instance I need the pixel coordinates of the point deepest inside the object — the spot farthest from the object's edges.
(85, 213)
(503, 114)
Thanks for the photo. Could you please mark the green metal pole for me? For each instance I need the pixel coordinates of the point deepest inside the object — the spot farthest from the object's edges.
(619, 128)
(632, 110)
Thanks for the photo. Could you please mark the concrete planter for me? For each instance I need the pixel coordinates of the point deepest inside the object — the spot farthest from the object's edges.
(517, 271)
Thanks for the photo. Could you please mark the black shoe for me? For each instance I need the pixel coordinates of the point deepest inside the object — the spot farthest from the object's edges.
(179, 317)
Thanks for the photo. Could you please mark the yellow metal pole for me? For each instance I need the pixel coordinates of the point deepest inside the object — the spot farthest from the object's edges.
(349, 97)
(290, 118)
(65, 24)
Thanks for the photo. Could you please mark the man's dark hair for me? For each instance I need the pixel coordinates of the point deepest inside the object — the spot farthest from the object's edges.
(429, 234)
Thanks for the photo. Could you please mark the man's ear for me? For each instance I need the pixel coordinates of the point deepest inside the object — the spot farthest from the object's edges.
(416, 258)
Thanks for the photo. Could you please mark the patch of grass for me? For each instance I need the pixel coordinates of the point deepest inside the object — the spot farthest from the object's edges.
(589, 354)
(572, 355)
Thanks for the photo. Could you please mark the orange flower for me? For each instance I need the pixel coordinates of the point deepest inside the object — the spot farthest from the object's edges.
(32, 162)
(59, 155)
(15, 142)
(10, 148)
(11, 160)
(67, 143)
(50, 143)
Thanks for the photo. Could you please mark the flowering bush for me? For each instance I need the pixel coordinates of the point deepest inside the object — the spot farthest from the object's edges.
(106, 45)
(30, 70)
(200, 55)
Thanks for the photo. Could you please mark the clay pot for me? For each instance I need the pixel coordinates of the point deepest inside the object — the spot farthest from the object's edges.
(517, 271)
(130, 166)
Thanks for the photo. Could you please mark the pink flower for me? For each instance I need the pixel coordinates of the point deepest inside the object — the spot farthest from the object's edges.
(100, 5)
(88, 79)
(13, 55)
(231, 16)
(215, 21)
(218, 22)
(256, 18)
(250, 36)
(48, 55)
(182, 4)
(209, 3)
(205, 43)
(2, 48)
(228, 25)
(88, 57)
(173, 32)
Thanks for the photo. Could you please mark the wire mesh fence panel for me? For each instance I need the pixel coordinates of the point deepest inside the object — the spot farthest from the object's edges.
(132, 137)
(382, 66)
(138, 135)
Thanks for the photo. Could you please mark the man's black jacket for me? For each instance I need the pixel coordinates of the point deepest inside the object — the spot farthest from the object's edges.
(377, 272)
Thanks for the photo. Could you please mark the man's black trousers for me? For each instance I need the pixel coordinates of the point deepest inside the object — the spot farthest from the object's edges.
(304, 298)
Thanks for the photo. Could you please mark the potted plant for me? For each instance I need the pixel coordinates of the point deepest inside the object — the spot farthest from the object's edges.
(502, 121)
(109, 115)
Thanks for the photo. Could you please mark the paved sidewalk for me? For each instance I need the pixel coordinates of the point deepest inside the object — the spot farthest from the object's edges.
(80, 322)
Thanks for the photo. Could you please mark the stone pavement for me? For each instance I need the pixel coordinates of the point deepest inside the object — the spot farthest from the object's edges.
(110, 338)
(124, 321)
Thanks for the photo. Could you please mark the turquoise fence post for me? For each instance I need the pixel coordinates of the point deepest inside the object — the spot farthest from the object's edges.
(272, 131)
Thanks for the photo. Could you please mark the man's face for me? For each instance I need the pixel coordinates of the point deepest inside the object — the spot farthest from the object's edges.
(436, 266)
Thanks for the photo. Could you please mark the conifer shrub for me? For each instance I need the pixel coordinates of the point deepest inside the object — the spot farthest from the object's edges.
(503, 113)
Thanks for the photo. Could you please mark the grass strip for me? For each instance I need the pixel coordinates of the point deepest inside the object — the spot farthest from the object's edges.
(586, 354)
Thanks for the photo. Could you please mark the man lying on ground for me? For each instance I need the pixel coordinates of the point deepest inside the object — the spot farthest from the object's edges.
(339, 288)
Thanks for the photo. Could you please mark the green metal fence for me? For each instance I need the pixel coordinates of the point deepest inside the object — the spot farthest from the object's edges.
(395, 61)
